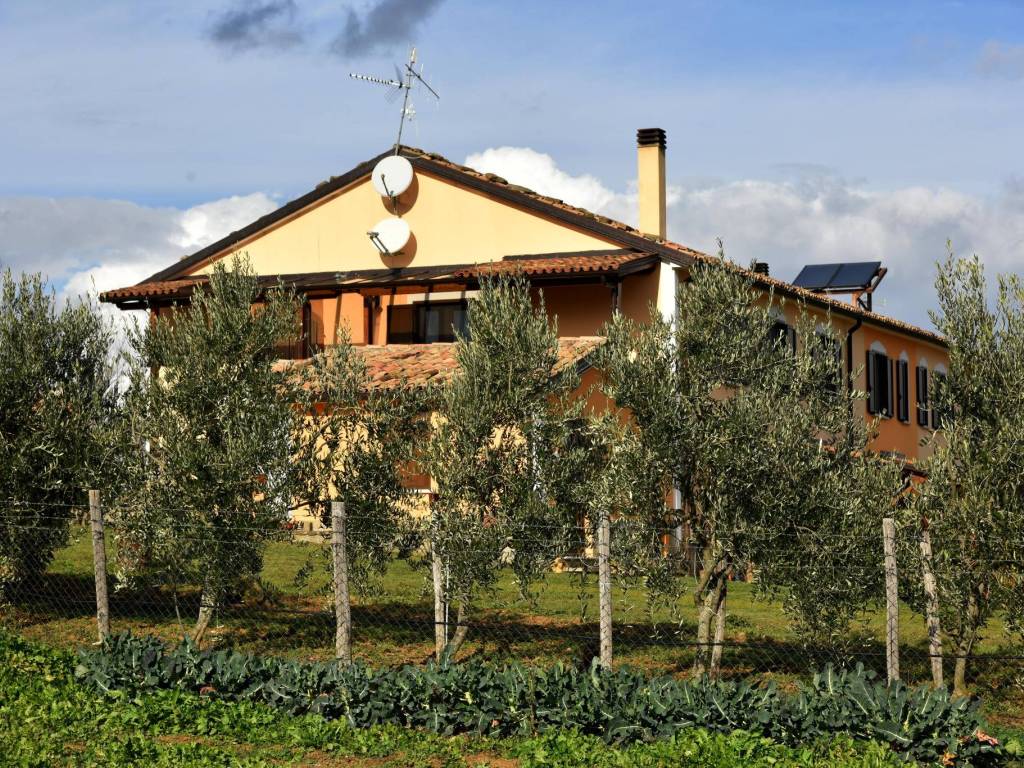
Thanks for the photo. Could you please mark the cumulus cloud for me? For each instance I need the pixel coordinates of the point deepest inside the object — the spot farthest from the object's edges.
(999, 59)
(85, 245)
(527, 167)
(387, 23)
(809, 218)
(257, 24)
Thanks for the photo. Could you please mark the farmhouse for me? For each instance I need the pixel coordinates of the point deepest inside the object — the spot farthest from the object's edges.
(393, 249)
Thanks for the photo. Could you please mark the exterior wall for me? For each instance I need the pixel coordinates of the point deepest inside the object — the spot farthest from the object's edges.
(640, 291)
(450, 225)
(453, 225)
(892, 434)
(351, 316)
(581, 310)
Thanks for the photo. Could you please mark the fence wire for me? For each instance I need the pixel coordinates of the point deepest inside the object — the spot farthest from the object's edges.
(286, 606)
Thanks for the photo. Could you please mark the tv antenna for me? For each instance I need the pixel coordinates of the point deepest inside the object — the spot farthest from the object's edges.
(403, 83)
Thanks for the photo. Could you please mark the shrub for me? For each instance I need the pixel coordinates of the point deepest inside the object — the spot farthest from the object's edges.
(621, 707)
(56, 403)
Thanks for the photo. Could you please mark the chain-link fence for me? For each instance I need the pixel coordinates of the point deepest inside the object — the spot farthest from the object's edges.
(400, 613)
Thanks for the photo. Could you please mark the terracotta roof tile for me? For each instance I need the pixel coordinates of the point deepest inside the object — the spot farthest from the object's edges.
(537, 265)
(554, 265)
(164, 288)
(420, 365)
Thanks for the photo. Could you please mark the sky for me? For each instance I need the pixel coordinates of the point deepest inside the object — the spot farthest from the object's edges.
(132, 133)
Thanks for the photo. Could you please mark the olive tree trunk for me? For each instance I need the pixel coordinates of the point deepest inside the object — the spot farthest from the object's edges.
(716, 650)
(708, 596)
(208, 602)
(965, 644)
(459, 636)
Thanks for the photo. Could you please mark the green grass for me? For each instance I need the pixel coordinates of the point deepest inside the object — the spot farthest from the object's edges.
(48, 720)
(395, 624)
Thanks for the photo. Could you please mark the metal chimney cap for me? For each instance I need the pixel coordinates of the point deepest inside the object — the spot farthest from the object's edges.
(647, 137)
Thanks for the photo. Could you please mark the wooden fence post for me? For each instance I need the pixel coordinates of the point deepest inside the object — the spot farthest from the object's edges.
(99, 562)
(931, 595)
(892, 602)
(440, 604)
(342, 607)
(604, 581)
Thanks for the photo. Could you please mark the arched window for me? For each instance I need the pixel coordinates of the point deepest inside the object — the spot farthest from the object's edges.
(921, 385)
(828, 349)
(781, 333)
(879, 381)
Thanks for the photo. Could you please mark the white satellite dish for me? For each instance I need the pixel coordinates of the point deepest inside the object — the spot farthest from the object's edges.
(392, 176)
(390, 235)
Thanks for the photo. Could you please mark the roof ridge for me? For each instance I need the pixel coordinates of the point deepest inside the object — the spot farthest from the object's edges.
(611, 228)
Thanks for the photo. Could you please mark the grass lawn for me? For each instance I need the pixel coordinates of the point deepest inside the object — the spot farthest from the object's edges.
(395, 624)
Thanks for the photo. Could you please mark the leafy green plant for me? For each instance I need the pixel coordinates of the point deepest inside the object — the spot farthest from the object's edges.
(51, 720)
(209, 428)
(972, 495)
(620, 707)
(503, 452)
(57, 399)
(354, 443)
(747, 418)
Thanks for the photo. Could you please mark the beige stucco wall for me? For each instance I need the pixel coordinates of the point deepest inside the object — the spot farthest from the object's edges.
(893, 435)
(450, 225)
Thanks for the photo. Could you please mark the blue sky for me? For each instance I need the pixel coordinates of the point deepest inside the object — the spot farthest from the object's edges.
(797, 131)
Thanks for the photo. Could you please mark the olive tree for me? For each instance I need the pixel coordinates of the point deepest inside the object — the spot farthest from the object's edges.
(973, 497)
(355, 441)
(57, 398)
(504, 447)
(765, 446)
(210, 420)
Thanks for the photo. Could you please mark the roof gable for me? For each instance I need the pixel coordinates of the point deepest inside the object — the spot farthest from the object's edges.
(589, 232)
(456, 216)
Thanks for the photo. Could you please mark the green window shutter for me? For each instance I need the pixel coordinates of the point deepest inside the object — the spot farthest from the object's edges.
(921, 383)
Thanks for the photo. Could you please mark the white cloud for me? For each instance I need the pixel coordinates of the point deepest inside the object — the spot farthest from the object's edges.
(529, 168)
(809, 218)
(205, 223)
(85, 245)
(999, 59)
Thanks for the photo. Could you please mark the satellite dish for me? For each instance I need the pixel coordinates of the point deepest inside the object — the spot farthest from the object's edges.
(392, 176)
(390, 235)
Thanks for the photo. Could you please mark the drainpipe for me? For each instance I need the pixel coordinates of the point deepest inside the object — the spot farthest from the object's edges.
(849, 352)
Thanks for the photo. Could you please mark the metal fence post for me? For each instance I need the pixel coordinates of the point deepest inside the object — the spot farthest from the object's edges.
(931, 594)
(99, 561)
(892, 602)
(342, 606)
(604, 579)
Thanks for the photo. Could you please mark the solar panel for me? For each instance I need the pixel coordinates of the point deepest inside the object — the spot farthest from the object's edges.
(816, 276)
(844, 276)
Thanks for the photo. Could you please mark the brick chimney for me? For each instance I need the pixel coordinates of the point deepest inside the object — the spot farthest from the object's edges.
(650, 161)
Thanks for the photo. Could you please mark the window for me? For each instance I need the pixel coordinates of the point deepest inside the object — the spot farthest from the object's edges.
(307, 342)
(828, 348)
(781, 335)
(940, 384)
(879, 381)
(427, 322)
(903, 391)
(922, 395)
